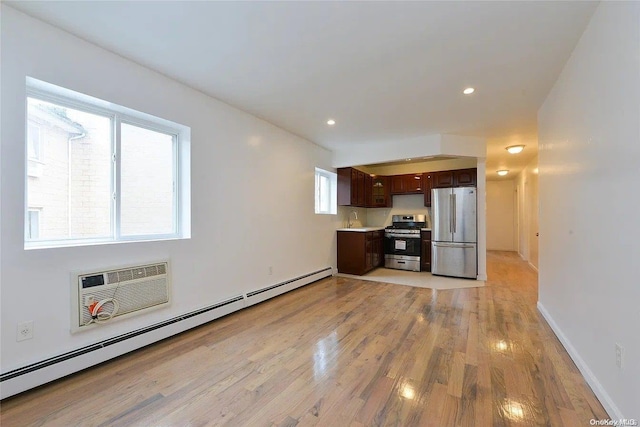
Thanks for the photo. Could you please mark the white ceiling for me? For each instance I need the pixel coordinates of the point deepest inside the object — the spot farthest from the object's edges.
(383, 70)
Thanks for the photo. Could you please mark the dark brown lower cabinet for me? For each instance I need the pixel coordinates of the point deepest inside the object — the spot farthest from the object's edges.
(377, 252)
(360, 252)
(425, 253)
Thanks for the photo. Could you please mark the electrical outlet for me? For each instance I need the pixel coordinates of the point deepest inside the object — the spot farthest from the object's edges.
(24, 331)
(270, 270)
(619, 355)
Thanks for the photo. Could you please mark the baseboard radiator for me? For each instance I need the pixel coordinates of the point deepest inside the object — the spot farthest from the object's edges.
(44, 371)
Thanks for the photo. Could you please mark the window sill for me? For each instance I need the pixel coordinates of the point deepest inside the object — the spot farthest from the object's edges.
(28, 246)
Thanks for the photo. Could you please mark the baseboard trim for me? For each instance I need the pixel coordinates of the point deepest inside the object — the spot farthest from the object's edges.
(35, 374)
(268, 292)
(600, 392)
(533, 266)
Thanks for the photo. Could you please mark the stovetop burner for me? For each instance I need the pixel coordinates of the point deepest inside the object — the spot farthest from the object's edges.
(407, 222)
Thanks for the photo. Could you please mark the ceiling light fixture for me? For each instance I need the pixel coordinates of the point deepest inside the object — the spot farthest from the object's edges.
(502, 172)
(468, 91)
(331, 122)
(515, 149)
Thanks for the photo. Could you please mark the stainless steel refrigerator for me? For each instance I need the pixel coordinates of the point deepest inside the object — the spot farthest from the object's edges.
(454, 248)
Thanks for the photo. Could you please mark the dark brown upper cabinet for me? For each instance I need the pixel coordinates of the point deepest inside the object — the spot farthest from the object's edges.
(465, 177)
(380, 192)
(426, 187)
(359, 189)
(406, 184)
(454, 178)
(361, 199)
(351, 191)
(442, 179)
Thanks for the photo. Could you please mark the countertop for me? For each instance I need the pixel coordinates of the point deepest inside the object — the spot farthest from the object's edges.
(365, 229)
(361, 229)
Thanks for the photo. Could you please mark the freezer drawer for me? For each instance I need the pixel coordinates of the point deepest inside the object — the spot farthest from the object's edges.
(454, 259)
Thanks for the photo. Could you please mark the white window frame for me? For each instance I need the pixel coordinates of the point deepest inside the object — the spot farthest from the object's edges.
(120, 119)
(331, 193)
(118, 114)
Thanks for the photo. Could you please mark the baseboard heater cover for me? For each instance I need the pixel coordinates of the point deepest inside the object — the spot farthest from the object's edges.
(268, 288)
(110, 341)
(44, 371)
(268, 292)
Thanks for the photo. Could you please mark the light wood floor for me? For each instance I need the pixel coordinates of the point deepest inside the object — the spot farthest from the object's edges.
(341, 352)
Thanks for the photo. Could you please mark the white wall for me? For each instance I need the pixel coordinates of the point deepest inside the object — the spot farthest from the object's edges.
(589, 130)
(501, 215)
(252, 196)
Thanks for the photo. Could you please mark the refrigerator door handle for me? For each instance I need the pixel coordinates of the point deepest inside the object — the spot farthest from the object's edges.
(453, 213)
(450, 213)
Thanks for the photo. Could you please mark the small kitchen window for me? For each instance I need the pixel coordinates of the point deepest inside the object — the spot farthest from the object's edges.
(112, 174)
(326, 201)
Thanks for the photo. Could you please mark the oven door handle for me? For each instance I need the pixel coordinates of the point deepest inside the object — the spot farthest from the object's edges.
(403, 236)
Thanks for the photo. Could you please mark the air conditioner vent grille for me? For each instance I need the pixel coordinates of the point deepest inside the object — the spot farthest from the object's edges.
(136, 273)
(125, 275)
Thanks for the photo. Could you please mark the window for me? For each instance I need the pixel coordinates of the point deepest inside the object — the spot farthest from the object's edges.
(325, 191)
(33, 223)
(112, 173)
(34, 142)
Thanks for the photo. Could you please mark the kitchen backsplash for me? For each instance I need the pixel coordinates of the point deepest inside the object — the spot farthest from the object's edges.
(381, 217)
(345, 211)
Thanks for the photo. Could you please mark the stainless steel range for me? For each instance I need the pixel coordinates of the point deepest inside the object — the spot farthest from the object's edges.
(402, 242)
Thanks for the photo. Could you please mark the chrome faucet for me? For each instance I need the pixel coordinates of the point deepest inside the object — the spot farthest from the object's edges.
(349, 223)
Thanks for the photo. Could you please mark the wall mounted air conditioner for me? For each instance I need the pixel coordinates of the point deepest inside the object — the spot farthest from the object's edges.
(98, 297)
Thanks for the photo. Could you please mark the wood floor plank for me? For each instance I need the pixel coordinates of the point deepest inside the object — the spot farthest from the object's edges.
(341, 352)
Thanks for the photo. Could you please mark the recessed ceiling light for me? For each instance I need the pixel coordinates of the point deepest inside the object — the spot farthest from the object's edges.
(331, 122)
(515, 149)
(502, 172)
(407, 160)
(468, 91)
